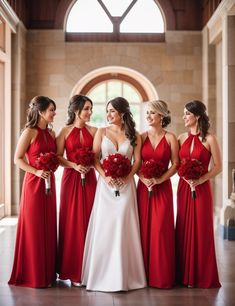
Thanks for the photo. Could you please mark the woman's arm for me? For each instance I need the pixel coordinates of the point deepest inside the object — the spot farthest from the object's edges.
(216, 159)
(137, 160)
(24, 142)
(97, 150)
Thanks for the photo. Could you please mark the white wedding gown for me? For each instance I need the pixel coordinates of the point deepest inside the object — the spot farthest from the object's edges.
(113, 258)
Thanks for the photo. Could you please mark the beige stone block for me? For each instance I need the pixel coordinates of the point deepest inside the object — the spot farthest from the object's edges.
(193, 39)
(231, 40)
(231, 94)
(55, 79)
(38, 79)
(197, 79)
(55, 53)
(193, 62)
(197, 51)
(152, 50)
(64, 89)
(49, 37)
(167, 63)
(180, 62)
(173, 49)
(188, 76)
(158, 80)
(51, 66)
(176, 97)
(132, 52)
(231, 141)
(174, 36)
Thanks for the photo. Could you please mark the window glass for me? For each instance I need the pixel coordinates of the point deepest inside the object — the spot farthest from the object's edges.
(84, 19)
(107, 90)
(114, 89)
(144, 17)
(130, 93)
(117, 7)
(98, 93)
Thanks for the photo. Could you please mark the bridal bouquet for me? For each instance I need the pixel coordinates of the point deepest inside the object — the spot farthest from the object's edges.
(150, 169)
(47, 162)
(191, 169)
(117, 166)
(85, 157)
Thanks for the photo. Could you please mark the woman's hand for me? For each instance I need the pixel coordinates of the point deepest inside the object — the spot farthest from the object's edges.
(42, 173)
(81, 169)
(152, 181)
(194, 183)
(110, 181)
(121, 182)
(145, 181)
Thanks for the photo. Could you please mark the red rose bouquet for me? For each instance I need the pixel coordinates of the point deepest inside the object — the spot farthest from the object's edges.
(117, 166)
(150, 169)
(191, 169)
(47, 162)
(85, 157)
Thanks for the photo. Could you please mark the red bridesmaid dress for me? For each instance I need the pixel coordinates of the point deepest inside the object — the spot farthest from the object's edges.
(157, 221)
(76, 202)
(195, 251)
(36, 241)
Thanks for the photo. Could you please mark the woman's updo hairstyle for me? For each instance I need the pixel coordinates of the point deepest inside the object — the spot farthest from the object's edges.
(36, 106)
(122, 106)
(161, 108)
(76, 104)
(199, 109)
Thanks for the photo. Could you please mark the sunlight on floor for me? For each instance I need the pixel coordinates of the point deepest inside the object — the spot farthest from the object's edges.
(8, 221)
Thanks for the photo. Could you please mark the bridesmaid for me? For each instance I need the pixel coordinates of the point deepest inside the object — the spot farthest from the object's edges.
(75, 200)
(35, 250)
(156, 213)
(195, 254)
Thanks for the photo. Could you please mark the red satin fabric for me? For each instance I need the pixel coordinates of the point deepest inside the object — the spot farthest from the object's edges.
(195, 250)
(76, 202)
(36, 244)
(157, 222)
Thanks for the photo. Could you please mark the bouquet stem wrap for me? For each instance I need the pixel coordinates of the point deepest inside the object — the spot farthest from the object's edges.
(48, 184)
(150, 192)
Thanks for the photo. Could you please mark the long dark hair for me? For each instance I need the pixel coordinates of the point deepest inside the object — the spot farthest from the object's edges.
(122, 106)
(37, 104)
(199, 109)
(76, 103)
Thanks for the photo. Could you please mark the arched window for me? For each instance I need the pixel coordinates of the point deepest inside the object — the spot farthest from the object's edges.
(109, 89)
(112, 20)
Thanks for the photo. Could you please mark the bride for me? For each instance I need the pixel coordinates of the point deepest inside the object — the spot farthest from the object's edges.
(113, 256)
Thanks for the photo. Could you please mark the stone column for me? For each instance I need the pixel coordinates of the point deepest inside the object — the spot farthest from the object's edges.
(228, 100)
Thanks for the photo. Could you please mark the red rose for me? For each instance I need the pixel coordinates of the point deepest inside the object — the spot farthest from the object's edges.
(191, 169)
(47, 162)
(117, 166)
(85, 157)
(150, 169)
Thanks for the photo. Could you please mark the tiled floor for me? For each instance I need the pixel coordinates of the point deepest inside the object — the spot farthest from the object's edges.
(65, 295)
